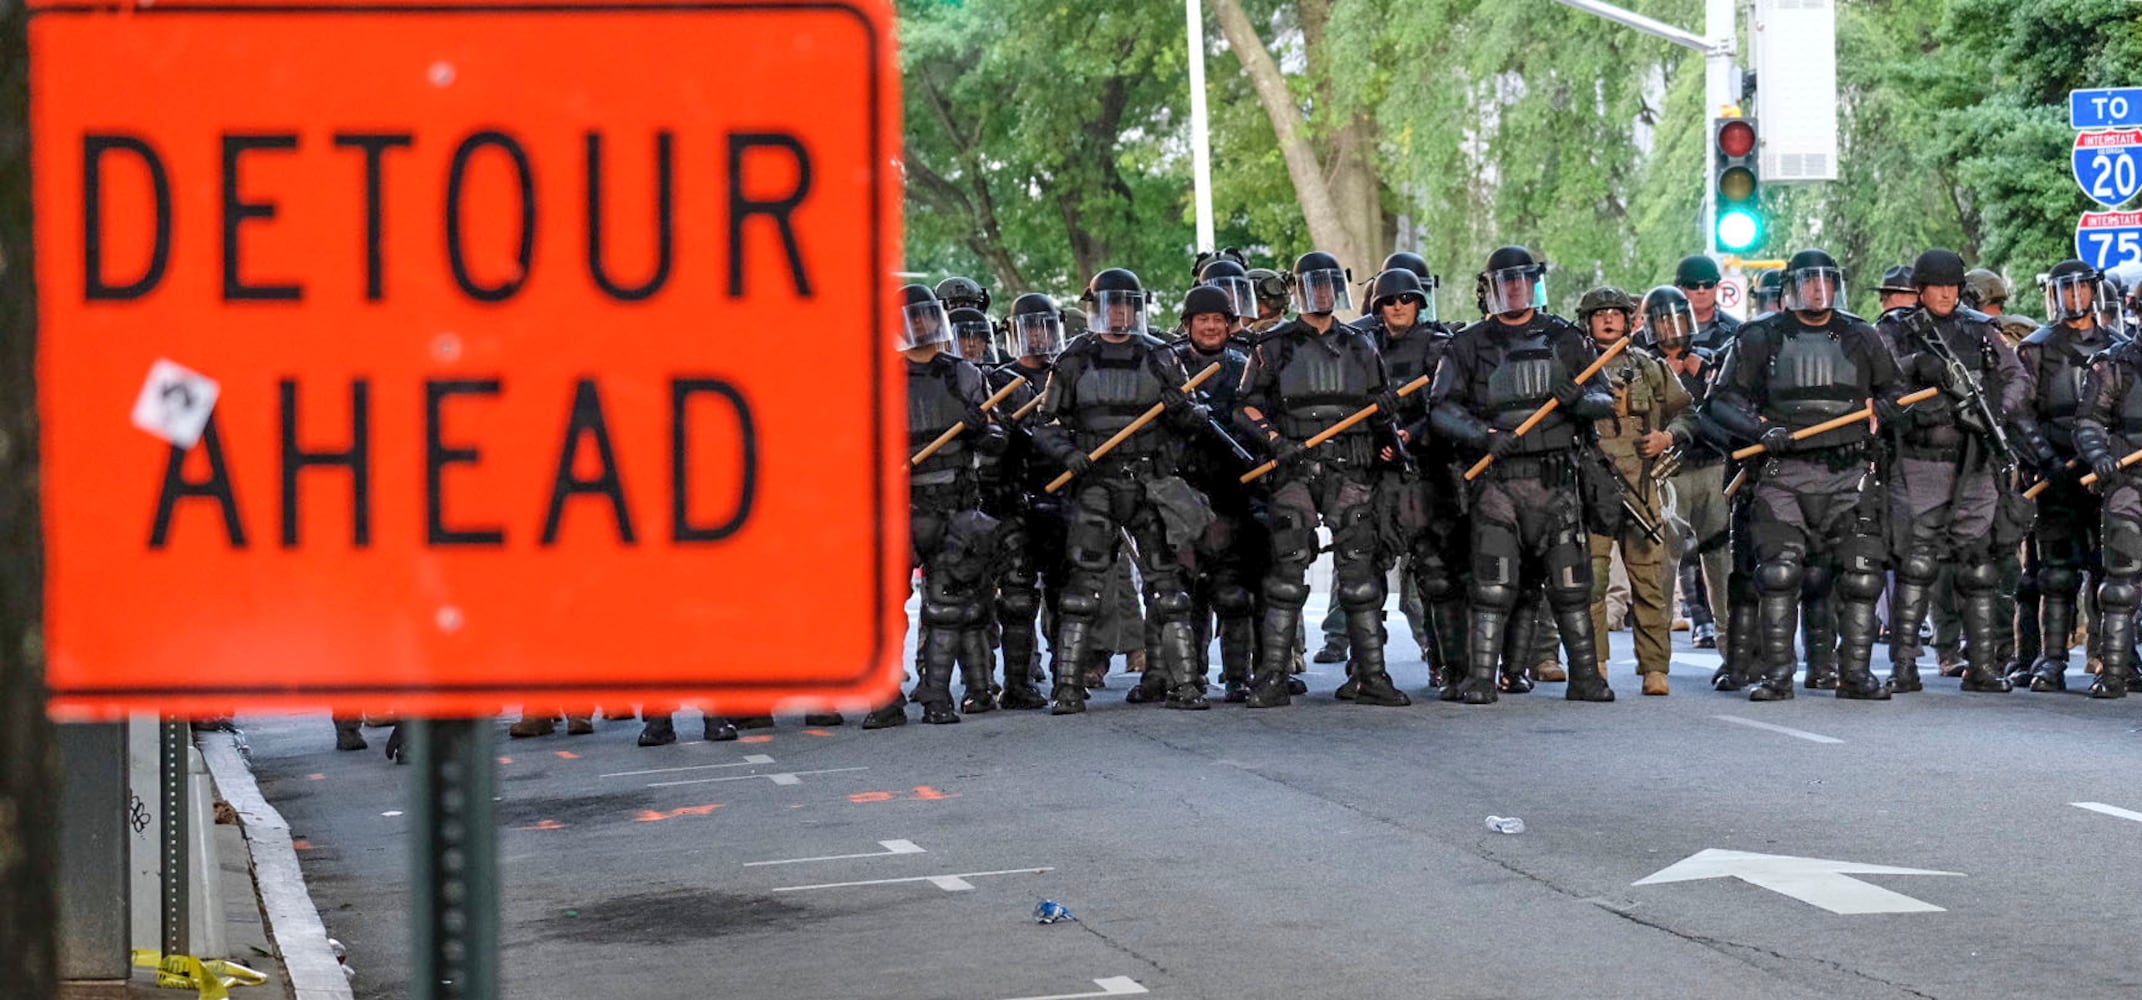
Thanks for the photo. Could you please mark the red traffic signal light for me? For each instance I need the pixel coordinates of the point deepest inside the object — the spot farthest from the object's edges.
(1736, 137)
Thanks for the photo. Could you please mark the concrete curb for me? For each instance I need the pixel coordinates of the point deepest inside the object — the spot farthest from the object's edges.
(293, 921)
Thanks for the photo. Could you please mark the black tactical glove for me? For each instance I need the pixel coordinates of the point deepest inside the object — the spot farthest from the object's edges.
(1078, 463)
(1502, 443)
(1387, 401)
(1777, 440)
(2107, 467)
(1892, 416)
(1286, 449)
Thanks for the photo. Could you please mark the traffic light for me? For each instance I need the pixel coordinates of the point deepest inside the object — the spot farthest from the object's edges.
(1740, 223)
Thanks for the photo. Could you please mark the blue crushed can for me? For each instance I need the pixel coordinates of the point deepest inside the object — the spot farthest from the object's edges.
(1049, 911)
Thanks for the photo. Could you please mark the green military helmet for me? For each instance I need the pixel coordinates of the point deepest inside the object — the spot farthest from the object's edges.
(1603, 298)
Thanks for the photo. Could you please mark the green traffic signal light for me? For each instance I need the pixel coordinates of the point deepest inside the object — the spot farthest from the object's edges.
(1739, 230)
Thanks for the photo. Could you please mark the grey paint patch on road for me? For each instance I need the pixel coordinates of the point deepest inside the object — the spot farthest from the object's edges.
(676, 917)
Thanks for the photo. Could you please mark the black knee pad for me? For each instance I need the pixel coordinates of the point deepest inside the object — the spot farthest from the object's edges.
(2119, 593)
(1973, 577)
(1918, 566)
(1361, 593)
(1569, 572)
(1494, 596)
(2057, 579)
(1079, 604)
(1092, 541)
(1859, 587)
(1495, 554)
(1779, 575)
(926, 533)
(1020, 604)
(944, 614)
(1231, 599)
(1815, 581)
(2123, 547)
(1286, 593)
(1168, 604)
(1354, 539)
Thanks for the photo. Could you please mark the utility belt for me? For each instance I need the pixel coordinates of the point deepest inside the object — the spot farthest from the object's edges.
(1951, 454)
(1551, 468)
(1836, 458)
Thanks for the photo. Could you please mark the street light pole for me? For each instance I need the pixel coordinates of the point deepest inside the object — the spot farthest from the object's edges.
(1200, 127)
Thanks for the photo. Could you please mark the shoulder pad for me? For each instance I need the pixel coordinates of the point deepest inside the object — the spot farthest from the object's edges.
(1556, 324)
(2044, 335)
(1971, 315)
(1149, 341)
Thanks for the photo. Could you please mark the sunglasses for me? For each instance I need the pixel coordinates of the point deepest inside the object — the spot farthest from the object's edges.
(1701, 286)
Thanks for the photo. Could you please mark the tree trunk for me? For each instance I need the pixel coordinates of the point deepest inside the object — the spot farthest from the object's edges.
(29, 818)
(1321, 207)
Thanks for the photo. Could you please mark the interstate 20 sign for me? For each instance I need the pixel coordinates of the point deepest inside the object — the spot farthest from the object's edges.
(433, 357)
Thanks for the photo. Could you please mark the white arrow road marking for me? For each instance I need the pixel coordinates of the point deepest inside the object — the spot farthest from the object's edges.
(780, 778)
(1118, 986)
(2100, 807)
(749, 759)
(1787, 730)
(892, 847)
(949, 883)
(1814, 881)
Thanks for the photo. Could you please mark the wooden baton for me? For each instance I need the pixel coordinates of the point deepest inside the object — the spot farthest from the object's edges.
(1856, 416)
(2044, 484)
(2090, 480)
(1150, 415)
(1339, 428)
(953, 431)
(1551, 405)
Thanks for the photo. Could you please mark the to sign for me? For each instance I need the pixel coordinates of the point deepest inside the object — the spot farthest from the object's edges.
(2109, 239)
(509, 310)
(2105, 107)
(2108, 165)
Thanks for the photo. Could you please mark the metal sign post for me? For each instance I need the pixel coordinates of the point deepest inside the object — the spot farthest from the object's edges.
(174, 738)
(454, 889)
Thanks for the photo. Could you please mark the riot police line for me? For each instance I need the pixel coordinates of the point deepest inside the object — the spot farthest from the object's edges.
(1806, 467)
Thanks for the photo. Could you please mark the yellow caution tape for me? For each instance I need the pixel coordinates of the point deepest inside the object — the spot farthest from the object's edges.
(211, 978)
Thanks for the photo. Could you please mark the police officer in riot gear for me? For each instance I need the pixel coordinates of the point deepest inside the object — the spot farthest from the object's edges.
(1768, 294)
(963, 293)
(1698, 277)
(1985, 291)
(1232, 279)
(1032, 576)
(1947, 491)
(1528, 525)
(1303, 377)
(1790, 371)
(1419, 498)
(1271, 290)
(1102, 383)
(2108, 427)
(1232, 552)
(976, 336)
(2065, 543)
(953, 540)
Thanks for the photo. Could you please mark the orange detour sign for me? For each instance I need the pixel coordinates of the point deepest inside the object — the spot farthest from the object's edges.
(432, 357)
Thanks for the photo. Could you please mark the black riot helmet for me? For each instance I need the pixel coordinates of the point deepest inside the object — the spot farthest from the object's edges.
(2073, 290)
(1513, 282)
(1410, 261)
(1813, 283)
(1207, 299)
(963, 293)
(1396, 285)
(1769, 293)
(972, 334)
(1117, 299)
(1207, 258)
(1669, 318)
(1229, 276)
(1035, 329)
(1320, 284)
(1938, 267)
(922, 319)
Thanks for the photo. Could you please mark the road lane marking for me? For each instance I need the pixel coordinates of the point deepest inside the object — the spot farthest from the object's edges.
(892, 847)
(757, 758)
(1818, 882)
(949, 883)
(1115, 986)
(2100, 807)
(780, 778)
(1801, 734)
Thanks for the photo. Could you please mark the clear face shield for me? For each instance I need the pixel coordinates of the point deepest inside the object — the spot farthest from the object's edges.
(1516, 289)
(971, 340)
(923, 324)
(1672, 324)
(1034, 335)
(1322, 291)
(2073, 296)
(1239, 291)
(1815, 289)
(1117, 314)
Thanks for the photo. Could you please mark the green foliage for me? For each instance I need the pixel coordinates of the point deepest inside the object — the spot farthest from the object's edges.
(1494, 123)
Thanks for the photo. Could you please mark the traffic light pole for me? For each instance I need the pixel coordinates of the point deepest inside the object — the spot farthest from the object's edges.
(1718, 43)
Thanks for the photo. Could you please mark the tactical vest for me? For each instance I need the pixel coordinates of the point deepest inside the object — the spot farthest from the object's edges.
(1116, 384)
(1410, 357)
(2061, 365)
(1812, 378)
(933, 406)
(1967, 342)
(1025, 462)
(2125, 365)
(1322, 380)
(1519, 381)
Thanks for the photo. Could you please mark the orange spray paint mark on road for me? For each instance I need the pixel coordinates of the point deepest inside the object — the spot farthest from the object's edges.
(548, 824)
(922, 793)
(567, 755)
(653, 816)
(756, 739)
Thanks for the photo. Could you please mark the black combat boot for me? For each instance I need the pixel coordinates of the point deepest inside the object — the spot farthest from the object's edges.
(2117, 625)
(2029, 633)
(1483, 647)
(1450, 643)
(1582, 649)
(1520, 648)
(1364, 631)
(1820, 625)
(659, 730)
(1776, 616)
(348, 735)
(715, 729)
(1068, 697)
(977, 671)
(1269, 688)
(2050, 672)
(1855, 625)
(1179, 667)
(1982, 672)
(888, 716)
(1238, 645)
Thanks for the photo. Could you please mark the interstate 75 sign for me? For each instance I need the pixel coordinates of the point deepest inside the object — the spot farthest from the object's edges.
(433, 357)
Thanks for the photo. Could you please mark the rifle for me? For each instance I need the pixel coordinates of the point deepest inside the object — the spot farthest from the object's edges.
(1636, 512)
(1921, 324)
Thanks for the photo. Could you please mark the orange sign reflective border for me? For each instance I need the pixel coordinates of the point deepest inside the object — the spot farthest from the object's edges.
(512, 353)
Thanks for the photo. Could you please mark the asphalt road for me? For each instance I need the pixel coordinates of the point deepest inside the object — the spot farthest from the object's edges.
(1325, 850)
